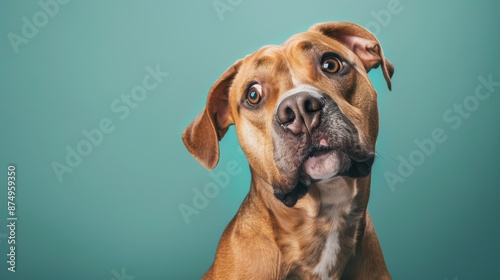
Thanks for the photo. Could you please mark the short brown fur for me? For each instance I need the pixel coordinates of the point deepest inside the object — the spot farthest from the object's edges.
(267, 239)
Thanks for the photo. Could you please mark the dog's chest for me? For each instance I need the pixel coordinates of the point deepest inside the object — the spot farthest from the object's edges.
(338, 224)
(324, 269)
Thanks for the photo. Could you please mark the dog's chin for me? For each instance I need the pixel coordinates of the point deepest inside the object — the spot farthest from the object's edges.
(326, 163)
(322, 166)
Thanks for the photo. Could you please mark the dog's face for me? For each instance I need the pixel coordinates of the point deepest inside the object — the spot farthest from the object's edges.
(304, 111)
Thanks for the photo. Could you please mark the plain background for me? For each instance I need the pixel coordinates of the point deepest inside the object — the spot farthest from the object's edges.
(117, 213)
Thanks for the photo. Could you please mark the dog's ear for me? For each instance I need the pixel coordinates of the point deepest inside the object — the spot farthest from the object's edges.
(202, 136)
(361, 41)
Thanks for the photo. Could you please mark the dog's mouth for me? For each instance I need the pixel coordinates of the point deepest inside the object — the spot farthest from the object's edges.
(323, 162)
(317, 151)
(311, 166)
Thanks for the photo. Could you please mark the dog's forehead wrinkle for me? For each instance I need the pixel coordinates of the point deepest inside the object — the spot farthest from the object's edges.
(273, 63)
(306, 45)
(293, 77)
(307, 41)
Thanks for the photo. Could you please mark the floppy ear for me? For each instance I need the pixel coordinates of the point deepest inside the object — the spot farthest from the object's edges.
(202, 136)
(361, 41)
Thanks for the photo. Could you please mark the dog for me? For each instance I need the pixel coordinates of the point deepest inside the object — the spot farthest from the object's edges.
(306, 117)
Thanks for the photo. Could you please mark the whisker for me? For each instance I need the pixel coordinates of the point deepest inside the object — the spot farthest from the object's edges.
(387, 158)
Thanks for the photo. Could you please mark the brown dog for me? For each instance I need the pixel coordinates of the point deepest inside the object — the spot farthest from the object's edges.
(306, 117)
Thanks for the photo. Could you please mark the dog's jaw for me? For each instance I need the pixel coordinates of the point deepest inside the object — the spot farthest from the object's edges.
(331, 149)
(323, 166)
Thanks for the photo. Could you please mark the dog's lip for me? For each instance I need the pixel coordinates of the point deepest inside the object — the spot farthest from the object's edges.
(304, 181)
(317, 151)
(318, 148)
(360, 164)
(362, 167)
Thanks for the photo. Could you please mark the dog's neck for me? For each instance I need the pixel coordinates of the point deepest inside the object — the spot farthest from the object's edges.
(319, 234)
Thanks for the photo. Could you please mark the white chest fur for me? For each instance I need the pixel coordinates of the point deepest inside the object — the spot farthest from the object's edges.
(337, 198)
(329, 256)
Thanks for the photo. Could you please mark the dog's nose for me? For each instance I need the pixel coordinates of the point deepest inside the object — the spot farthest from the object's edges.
(300, 112)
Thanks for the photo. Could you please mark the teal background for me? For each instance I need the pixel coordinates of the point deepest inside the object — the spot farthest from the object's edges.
(118, 209)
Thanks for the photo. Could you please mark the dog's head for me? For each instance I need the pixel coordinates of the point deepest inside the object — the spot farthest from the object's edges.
(304, 111)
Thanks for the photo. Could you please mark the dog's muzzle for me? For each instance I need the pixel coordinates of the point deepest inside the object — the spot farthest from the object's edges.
(314, 141)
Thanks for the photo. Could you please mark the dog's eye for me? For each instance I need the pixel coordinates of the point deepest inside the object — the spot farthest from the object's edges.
(254, 94)
(331, 65)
